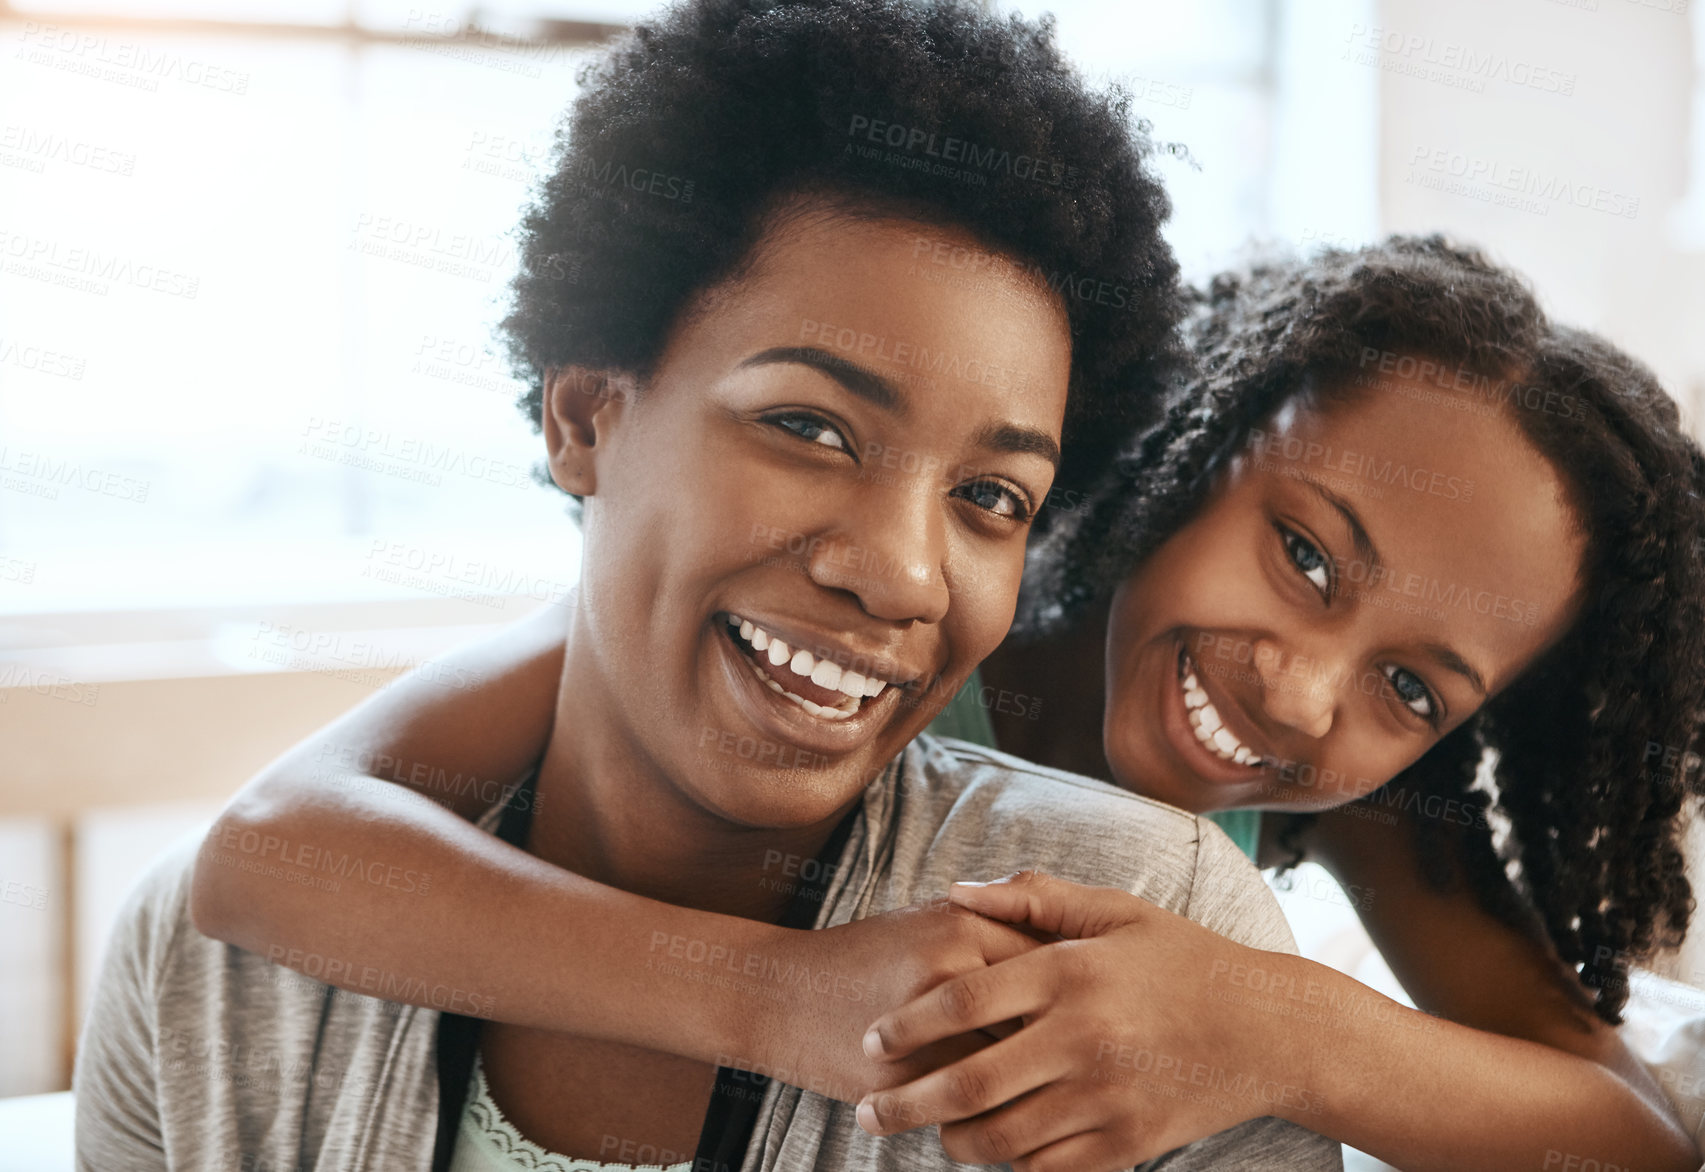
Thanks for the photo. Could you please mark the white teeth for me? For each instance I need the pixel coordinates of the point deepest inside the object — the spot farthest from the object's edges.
(825, 673)
(1208, 727)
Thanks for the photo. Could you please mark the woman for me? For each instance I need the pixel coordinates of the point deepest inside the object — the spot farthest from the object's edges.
(688, 404)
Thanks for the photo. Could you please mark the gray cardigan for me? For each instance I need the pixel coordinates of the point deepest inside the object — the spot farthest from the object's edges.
(197, 1055)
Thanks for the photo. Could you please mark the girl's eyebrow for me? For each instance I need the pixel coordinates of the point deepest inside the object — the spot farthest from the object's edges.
(1365, 547)
(1451, 661)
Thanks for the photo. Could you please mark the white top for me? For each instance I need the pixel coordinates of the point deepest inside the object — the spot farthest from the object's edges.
(488, 1142)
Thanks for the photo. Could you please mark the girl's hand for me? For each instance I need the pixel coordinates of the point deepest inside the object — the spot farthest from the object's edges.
(1137, 1036)
(824, 986)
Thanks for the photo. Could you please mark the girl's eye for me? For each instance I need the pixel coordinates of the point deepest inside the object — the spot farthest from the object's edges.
(1412, 691)
(1306, 556)
(812, 428)
(996, 498)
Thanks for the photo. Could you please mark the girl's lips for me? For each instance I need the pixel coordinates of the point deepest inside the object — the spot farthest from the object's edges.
(1175, 723)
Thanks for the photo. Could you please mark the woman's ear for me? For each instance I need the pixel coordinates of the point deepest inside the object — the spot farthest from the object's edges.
(581, 408)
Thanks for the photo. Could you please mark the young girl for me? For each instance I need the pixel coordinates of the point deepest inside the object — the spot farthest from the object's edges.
(1404, 552)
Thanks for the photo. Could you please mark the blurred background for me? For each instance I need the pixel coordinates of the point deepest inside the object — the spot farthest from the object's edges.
(257, 455)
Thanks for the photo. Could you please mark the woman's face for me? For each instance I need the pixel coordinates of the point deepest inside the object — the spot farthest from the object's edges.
(837, 455)
(1357, 584)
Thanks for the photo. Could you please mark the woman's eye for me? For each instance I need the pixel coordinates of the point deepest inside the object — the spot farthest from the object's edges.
(997, 498)
(1306, 556)
(1411, 690)
(813, 428)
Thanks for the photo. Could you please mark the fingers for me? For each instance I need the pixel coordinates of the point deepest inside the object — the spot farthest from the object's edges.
(971, 1086)
(1038, 1120)
(975, 1000)
(1052, 905)
(1087, 1151)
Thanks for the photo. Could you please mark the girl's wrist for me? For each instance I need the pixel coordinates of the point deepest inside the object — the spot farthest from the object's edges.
(1283, 1001)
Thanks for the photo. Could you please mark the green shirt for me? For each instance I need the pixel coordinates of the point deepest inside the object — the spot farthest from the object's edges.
(966, 718)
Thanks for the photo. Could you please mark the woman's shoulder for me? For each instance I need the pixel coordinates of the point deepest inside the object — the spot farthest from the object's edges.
(969, 812)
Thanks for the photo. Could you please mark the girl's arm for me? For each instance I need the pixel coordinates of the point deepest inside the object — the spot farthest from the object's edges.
(1145, 1031)
(441, 914)
(1458, 962)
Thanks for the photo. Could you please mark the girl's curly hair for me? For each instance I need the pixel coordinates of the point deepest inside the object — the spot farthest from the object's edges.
(1564, 753)
(693, 131)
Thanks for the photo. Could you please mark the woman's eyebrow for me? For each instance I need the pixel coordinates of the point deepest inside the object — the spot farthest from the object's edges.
(874, 388)
(860, 380)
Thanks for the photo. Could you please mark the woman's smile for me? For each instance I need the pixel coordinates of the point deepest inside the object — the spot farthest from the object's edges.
(785, 701)
(827, 685)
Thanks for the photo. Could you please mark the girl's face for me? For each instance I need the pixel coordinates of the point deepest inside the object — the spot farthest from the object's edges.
(837, 454)
(1361, 579)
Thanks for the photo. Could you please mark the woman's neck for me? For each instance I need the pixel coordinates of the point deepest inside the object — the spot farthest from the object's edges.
(605, 810)
(1068, 675)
